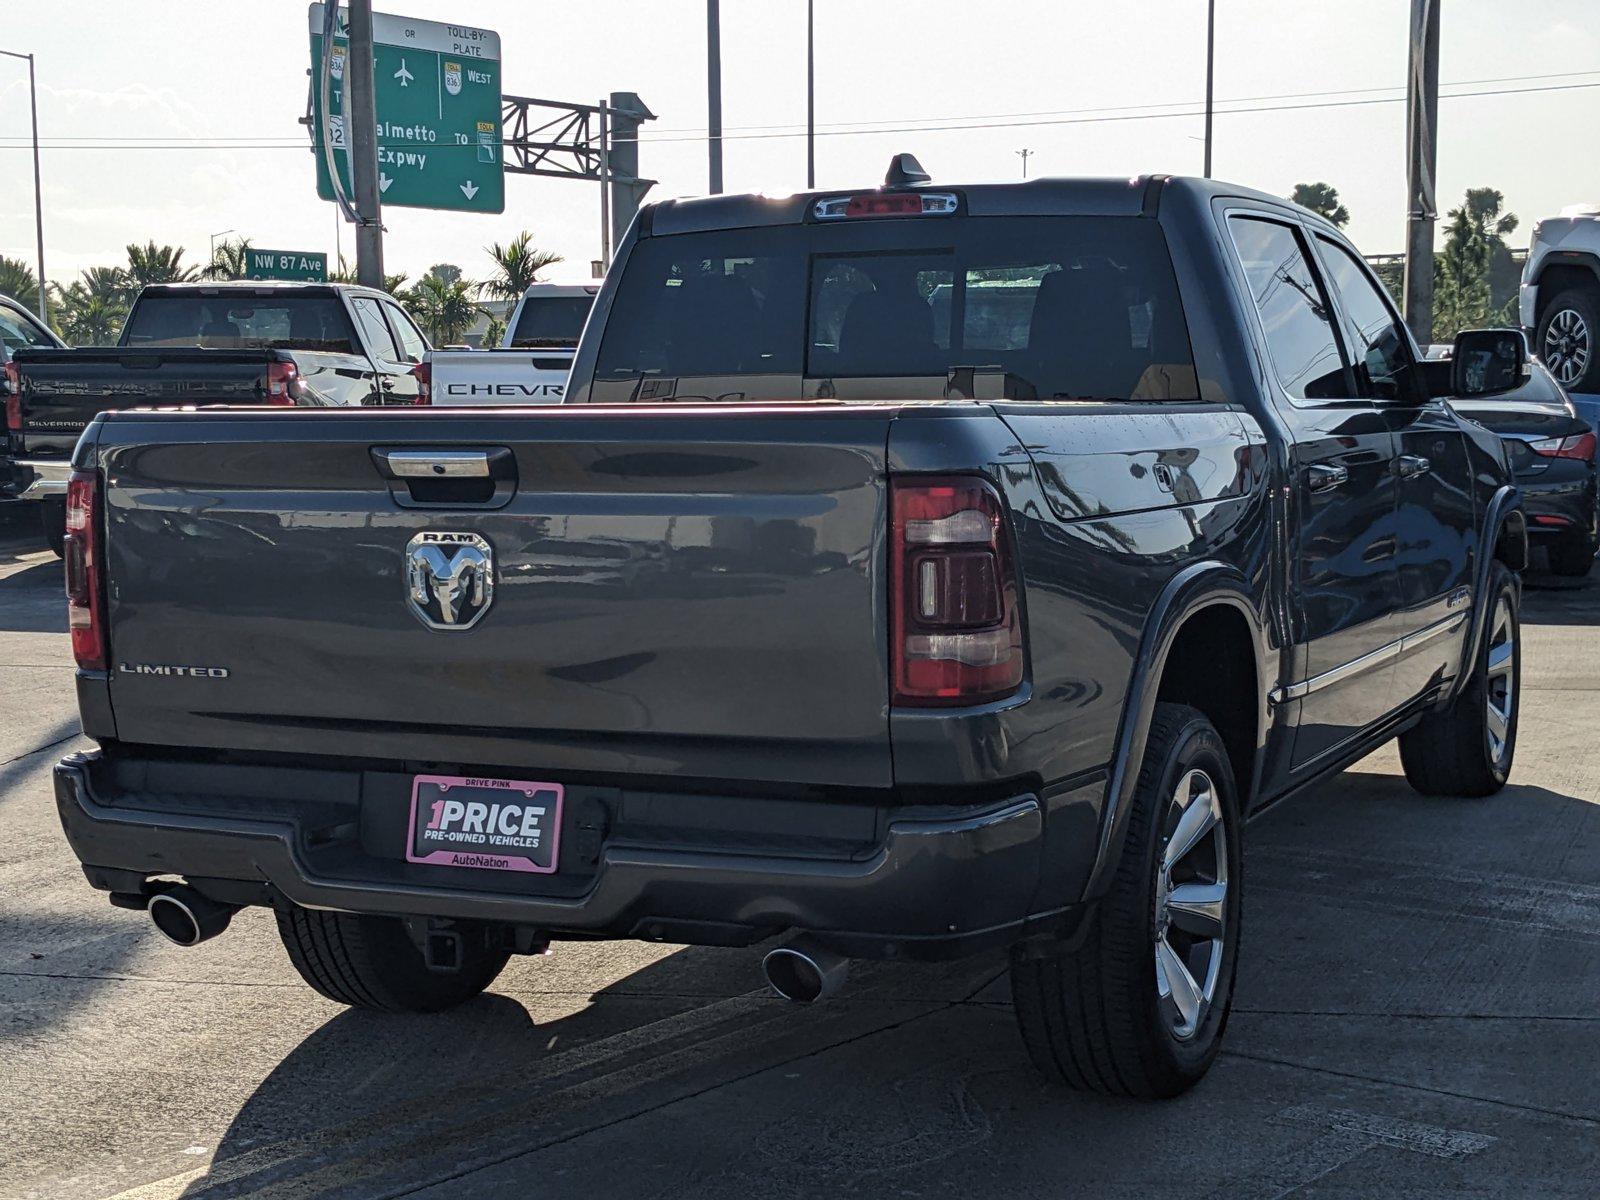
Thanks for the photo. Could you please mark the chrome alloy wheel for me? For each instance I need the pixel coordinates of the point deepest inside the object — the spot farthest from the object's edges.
(1567, 346)
(1191, 900)
(1500, 690)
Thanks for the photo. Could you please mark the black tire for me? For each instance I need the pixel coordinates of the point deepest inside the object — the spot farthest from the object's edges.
(1572, 556)
(53, 524)
(1453, 752)
(371, 962)
(1556, 354)
(1091, 1017)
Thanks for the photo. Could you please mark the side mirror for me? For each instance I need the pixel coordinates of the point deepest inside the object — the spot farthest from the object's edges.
(1489, 360)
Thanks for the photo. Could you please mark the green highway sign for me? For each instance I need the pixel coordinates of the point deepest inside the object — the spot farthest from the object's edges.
(437, 90)
(286, 264)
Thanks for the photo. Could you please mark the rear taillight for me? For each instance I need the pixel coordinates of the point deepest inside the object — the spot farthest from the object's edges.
(283, 385)
(423, 374)
(86, 608)
(11, 379)
(1579, 445)
(955, 625)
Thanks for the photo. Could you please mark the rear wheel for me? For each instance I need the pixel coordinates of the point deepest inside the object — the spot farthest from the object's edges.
(1572, 556)
(1467, 748)
(53, 523)
(371, 962)
(1567, 338)
(1140, 1007)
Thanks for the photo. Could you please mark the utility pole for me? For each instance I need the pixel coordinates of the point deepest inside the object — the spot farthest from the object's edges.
(811, 96)
(1422, 156)
(714, 91)
(604, 117)
(1211, 61)
(1024, 154)
(38, 196)
(361, 121)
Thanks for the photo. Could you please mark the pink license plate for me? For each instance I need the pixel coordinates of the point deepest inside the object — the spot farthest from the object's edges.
(488, 824)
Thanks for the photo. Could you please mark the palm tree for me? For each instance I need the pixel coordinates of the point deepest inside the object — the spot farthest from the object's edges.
(90, 310)
(1475, 236)
(1323, 199)
(18, 281)
(151, 263)
(517, 267)
(493, 334)
(445, 310)
(229, 260)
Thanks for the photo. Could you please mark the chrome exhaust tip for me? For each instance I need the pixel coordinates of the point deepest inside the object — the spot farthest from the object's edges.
(186, 918)
(804, 971)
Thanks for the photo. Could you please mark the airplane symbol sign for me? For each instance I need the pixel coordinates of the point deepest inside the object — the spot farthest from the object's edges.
(404, 76)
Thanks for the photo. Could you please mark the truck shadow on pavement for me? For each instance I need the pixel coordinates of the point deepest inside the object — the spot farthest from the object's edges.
(32, 599)
(1358, 960)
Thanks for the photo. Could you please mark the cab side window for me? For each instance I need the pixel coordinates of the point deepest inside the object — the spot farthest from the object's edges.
(375, 329)
(1378, 350)
(412, 344)
(1295, 313)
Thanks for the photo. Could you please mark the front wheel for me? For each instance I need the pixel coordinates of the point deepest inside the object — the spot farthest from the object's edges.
(1467, 748)
(1140, 1007)
(1566, 337)
(53, 524)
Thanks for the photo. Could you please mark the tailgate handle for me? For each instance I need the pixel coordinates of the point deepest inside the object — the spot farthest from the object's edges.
(435, 464)
(448, 476)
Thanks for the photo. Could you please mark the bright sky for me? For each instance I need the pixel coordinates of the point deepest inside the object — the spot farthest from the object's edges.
(207, 76)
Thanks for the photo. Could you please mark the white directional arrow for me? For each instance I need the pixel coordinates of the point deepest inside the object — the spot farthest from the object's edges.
(383, 182)
(469, 189)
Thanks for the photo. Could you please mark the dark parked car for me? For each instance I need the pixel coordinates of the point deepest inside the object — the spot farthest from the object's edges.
(849, 599)
(1551, 448)
(201, 344)
(19, 330)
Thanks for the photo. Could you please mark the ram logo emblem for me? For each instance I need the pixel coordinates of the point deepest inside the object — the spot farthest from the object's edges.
(449, 578)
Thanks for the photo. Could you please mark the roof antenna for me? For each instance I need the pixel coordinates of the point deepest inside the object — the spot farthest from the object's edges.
(905, 170)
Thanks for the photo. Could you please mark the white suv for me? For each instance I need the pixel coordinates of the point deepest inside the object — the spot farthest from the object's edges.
(1560, 298)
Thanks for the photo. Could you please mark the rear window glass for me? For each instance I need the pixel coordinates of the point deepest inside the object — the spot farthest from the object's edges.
(242, 322)
(1062, 307)
(551, 321)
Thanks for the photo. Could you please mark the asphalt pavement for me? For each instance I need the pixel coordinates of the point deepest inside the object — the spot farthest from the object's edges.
(1416, 1017)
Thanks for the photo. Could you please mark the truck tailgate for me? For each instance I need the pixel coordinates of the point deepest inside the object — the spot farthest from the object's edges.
(677, 592)
(62, 390)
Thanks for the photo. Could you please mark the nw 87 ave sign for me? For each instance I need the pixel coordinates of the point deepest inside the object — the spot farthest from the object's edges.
(437, 92)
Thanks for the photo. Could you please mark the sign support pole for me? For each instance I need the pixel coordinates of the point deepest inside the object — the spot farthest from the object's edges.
(714, 91)
(362, 133)
(1422, 156)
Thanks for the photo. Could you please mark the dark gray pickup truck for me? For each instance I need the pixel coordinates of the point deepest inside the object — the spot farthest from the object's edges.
(911, 573)
(310, 345)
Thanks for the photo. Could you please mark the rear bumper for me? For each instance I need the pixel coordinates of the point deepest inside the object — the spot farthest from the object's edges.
(935, 883)
(1560, 501)
(34, 479)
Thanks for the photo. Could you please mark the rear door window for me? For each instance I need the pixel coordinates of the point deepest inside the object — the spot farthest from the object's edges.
(412, 344)
(1295, 313)
(1061, 307)
(375, 329)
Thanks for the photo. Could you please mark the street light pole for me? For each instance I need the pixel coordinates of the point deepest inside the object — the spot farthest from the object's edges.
(38, 197)
(1211, 58)
(714, 91)
(811, 96)
(1024, 154)
(214, 237)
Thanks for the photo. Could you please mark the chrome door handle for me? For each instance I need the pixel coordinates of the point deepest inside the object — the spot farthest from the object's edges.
(1321, 477)
(1412, 465)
